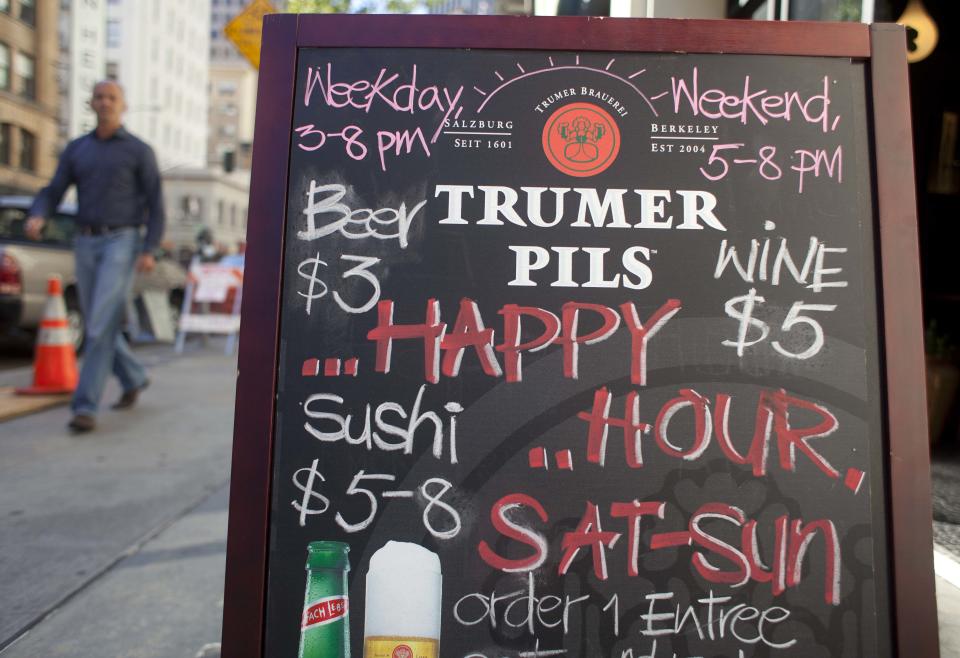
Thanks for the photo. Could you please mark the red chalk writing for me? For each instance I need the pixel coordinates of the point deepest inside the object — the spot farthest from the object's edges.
(773, 428)
(714, 559)
(470, 333)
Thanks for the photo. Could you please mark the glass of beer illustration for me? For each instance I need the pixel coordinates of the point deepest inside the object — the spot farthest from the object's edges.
(402, 617)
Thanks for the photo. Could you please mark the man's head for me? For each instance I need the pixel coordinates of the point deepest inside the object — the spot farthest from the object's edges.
(108, 103)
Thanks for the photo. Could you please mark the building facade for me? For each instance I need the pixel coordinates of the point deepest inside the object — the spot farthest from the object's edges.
(232, 96)
(205, 199)
(221, 13)
(29, 95)
(232, 104)
(154, 50)
(83, 63)
(481, 7)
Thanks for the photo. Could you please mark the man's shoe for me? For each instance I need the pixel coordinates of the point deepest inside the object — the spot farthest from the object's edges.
(82, 423)
(129, 398)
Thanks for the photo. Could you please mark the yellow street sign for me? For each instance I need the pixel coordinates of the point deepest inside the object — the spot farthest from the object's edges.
(245, 28)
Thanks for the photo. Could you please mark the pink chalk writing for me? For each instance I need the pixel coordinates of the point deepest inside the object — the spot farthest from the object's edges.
(400, 92)
(747, 104)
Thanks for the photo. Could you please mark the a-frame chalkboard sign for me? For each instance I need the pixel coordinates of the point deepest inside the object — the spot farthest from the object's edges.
(588, 338)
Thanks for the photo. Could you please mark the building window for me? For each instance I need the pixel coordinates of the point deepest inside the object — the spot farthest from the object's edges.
(28, 11)
(4, 65)
(113, 33)
(192, 207)
(220, 212)
(6, 134)
(26, 68)
(5, 6)
(27, 149)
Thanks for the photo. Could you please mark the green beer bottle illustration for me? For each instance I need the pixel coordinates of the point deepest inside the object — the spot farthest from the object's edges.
(325, 627)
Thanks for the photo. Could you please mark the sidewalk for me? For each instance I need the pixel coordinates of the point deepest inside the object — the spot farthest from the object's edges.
(113, 543)
(948, 603)
(165, 599)
(945, 473)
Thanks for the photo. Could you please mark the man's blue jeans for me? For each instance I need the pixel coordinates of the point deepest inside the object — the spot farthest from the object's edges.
(104, 270)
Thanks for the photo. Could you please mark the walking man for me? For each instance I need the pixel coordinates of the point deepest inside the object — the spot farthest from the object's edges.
(118, 192)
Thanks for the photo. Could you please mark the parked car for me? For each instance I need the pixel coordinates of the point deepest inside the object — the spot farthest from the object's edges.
(25, 266)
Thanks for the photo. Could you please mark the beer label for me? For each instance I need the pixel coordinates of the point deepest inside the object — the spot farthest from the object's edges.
(400, 647)
(324, 611)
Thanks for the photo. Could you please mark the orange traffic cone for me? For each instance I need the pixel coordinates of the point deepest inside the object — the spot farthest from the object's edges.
(55, 363)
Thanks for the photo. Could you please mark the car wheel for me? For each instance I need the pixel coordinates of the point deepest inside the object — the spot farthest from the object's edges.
(74, 320)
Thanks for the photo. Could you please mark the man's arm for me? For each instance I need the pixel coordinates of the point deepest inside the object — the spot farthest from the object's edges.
(49, 197)
(150, 184)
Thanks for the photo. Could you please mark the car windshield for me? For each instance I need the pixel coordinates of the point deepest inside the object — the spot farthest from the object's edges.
(57, 232)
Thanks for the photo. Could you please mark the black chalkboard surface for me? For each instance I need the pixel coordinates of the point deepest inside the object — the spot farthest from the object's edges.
(599, 330)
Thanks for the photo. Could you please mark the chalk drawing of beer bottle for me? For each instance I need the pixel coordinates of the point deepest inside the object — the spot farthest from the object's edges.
(325, 627)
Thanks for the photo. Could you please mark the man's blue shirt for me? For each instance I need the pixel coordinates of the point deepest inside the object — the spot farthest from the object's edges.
(118, 184)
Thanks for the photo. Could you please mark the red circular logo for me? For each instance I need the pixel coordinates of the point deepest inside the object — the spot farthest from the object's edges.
(402, 651)
(581, 139)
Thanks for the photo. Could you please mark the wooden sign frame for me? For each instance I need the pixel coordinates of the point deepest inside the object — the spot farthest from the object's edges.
(882, 46)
